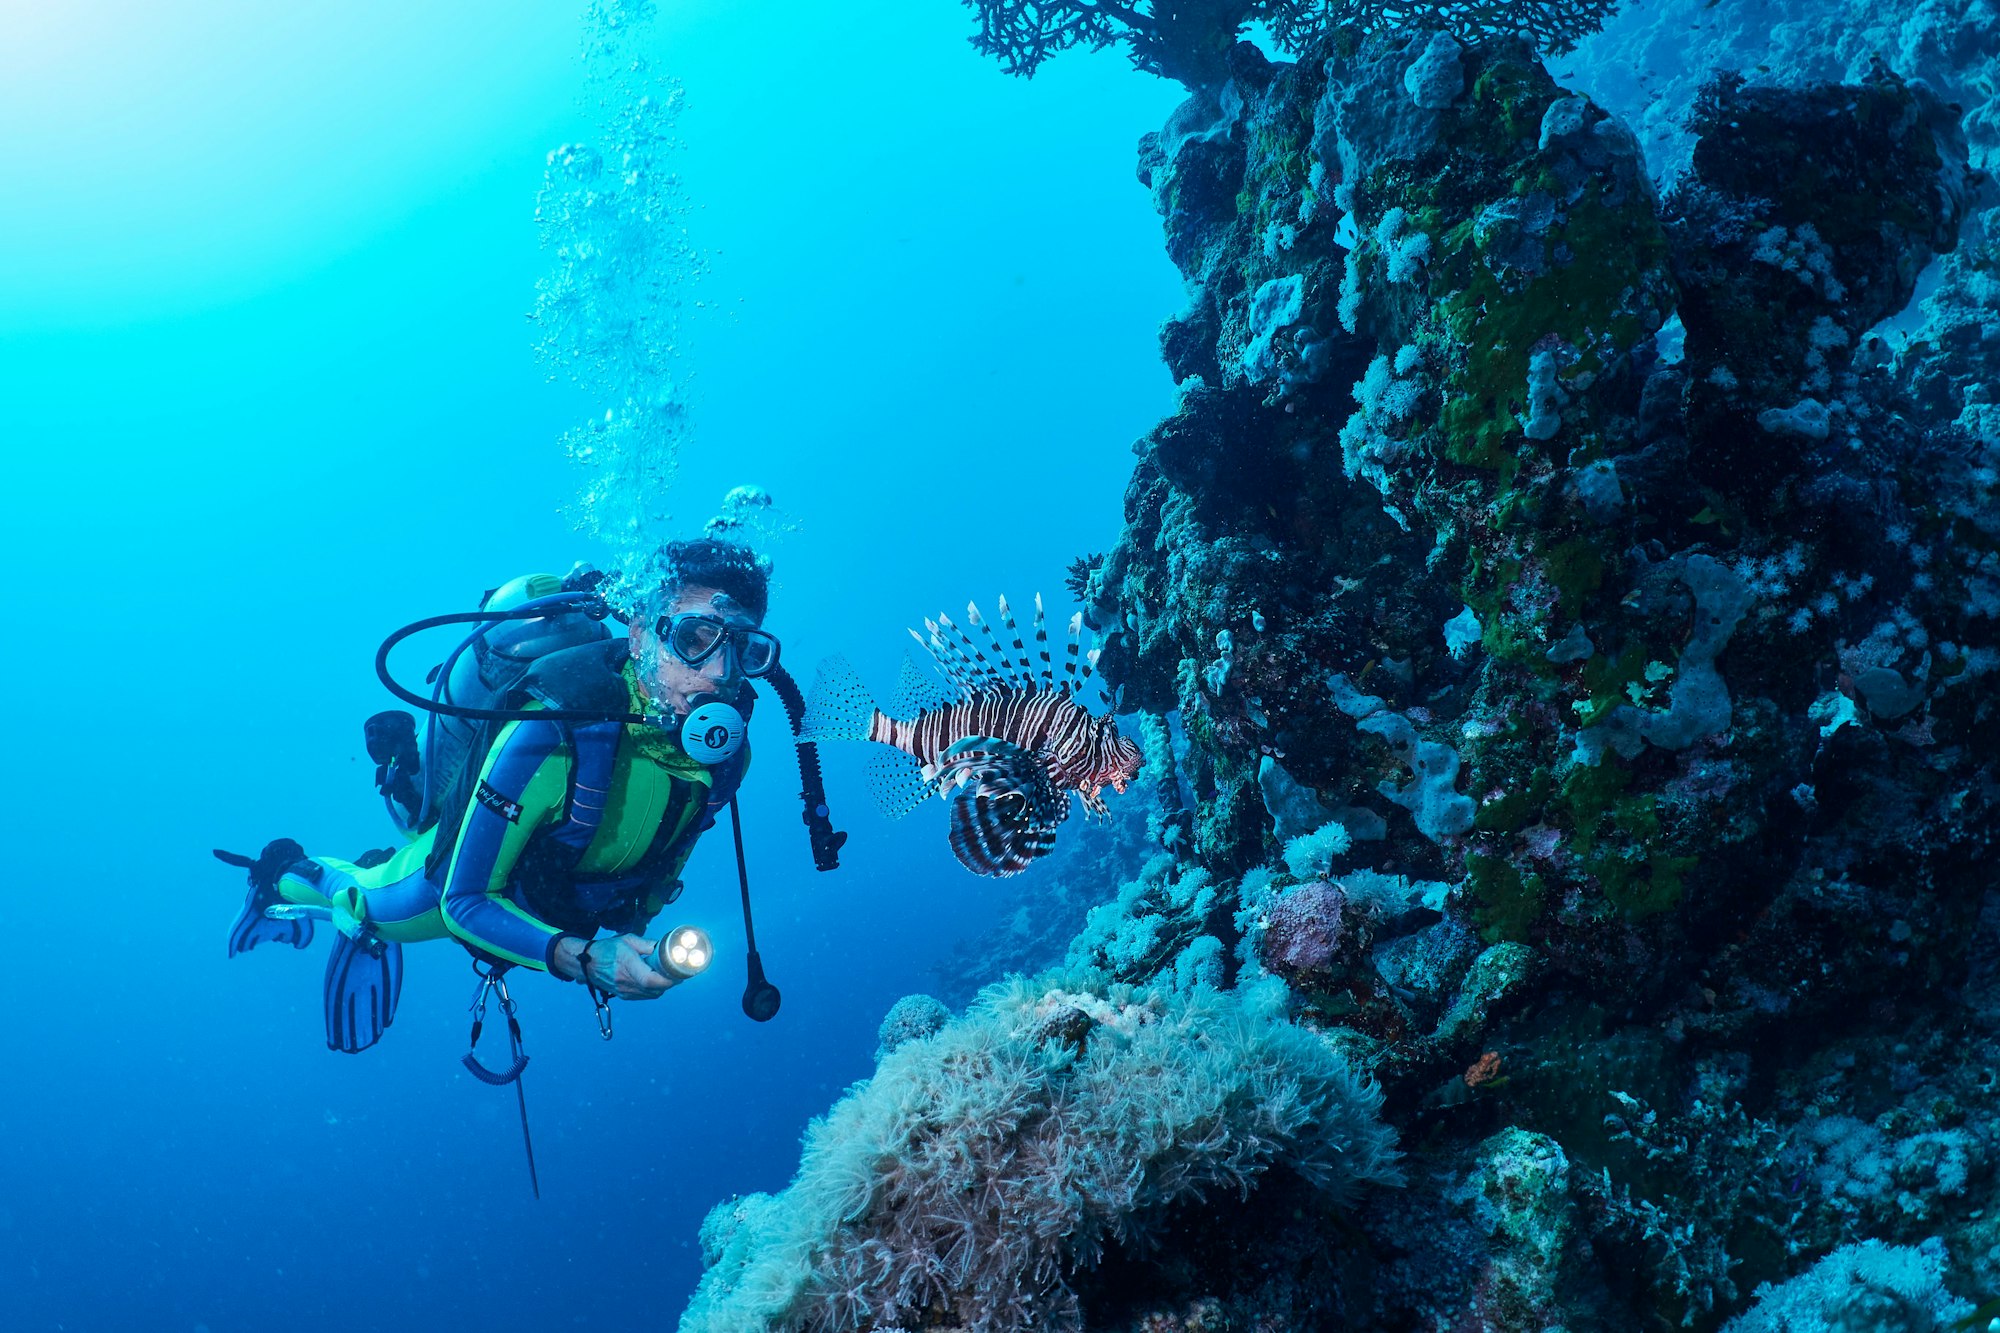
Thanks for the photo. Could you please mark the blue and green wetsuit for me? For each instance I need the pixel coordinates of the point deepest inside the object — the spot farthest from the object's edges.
(571, 830)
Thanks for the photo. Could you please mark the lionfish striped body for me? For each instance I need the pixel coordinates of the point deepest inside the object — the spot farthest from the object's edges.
(1005, 753)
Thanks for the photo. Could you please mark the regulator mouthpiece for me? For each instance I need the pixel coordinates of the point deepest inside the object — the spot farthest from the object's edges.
(682, 952)
(712, 731)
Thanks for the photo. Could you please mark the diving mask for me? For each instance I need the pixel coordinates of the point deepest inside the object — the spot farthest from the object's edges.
(695, 637)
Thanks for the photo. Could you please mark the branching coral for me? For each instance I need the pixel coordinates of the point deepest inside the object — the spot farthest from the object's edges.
(1717, 1175)
(1153, 918)
(1189, 40)
(985, 1167)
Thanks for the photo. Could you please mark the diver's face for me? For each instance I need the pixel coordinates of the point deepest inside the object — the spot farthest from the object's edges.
(664, 677)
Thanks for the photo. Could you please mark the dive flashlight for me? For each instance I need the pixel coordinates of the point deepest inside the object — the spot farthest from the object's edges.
(682, 952)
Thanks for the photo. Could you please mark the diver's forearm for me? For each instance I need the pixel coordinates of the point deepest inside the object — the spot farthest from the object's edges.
(499, 928)
(566, 957)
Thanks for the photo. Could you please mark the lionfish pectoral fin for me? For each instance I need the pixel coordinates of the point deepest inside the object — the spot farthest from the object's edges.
(897, 782)
(999, 829)
(1004, 806)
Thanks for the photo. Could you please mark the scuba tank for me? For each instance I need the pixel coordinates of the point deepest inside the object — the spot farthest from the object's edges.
(420, 783)
(501, 654)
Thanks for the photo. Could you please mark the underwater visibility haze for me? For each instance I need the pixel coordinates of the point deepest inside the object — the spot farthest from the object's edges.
(1446, 775)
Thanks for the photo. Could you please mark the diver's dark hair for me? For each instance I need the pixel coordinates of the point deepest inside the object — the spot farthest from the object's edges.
(705, 562)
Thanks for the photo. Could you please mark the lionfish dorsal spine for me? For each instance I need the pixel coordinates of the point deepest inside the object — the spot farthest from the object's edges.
(983, 674)
(1089, 666)
(1003, 670)
(1042, 645)
(1026, 674)
(1070, 682)
(949, 661)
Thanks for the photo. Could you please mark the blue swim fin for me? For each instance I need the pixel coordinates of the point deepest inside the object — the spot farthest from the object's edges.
(364, 979)
(252, 927)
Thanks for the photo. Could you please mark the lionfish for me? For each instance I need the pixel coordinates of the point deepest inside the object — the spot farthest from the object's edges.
(1004, 748)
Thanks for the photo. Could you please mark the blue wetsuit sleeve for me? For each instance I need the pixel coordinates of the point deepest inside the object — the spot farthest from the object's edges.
(521, 787)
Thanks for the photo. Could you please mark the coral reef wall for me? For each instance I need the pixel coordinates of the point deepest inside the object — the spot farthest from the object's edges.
(1564, 610)
(1952, 46)
(1554, 540)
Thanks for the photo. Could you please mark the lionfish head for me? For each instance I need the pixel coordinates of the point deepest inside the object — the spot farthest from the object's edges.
(1115, 759)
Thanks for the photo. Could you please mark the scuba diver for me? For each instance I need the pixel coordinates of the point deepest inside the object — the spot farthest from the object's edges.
(565, 776)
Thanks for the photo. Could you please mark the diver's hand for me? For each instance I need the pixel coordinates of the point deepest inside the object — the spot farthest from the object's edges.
(618, 967)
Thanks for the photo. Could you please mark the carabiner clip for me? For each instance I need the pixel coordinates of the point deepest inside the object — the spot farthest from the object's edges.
(601, 999)
(487, 981)
(490, 981)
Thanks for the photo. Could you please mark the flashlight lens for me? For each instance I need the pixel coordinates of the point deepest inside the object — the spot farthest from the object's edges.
(683, 952)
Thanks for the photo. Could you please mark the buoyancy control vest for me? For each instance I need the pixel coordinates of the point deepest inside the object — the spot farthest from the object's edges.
(590, 677)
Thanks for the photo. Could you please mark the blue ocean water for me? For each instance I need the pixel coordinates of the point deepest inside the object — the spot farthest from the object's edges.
(267, 392)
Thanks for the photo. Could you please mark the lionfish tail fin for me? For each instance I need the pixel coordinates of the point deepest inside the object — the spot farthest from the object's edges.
(839, 708)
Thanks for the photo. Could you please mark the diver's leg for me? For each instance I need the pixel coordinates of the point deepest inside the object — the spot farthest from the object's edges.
(374, 907)
(392, 898)
(398, 900)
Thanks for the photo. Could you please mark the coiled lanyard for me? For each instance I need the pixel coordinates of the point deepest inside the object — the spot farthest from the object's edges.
(492, 980)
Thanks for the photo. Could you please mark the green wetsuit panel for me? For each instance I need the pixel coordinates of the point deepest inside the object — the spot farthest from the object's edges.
(640, 806)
